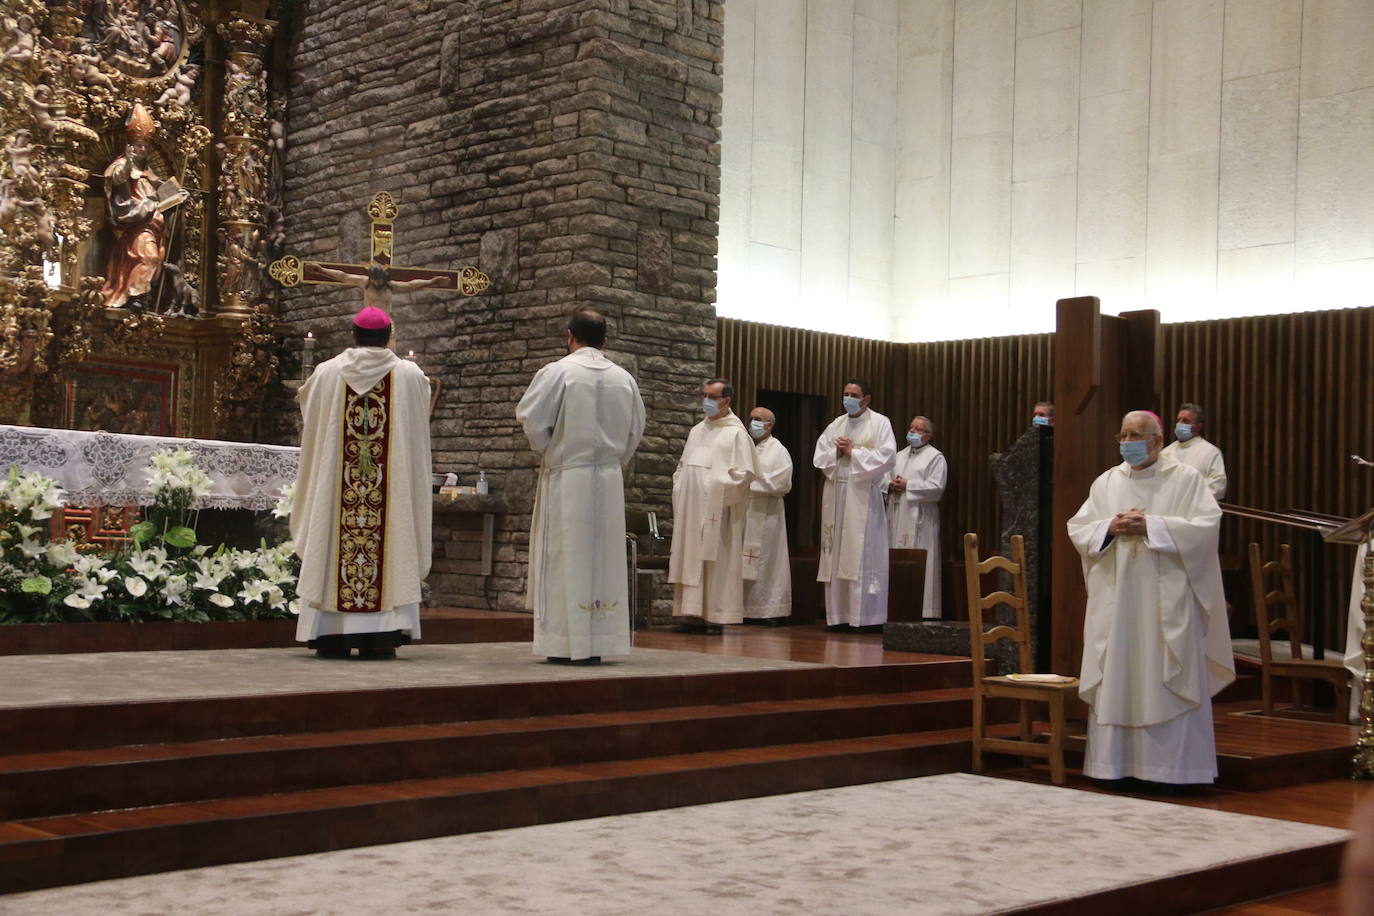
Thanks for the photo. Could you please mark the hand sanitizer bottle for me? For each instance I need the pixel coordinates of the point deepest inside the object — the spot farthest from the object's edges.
(481, 483)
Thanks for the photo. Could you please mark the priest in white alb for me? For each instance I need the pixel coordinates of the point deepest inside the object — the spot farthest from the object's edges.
(710, 506)
(914, 487)
(362, 509)
(855, 452)
(767, 567)
(584, 416)
(1156, 646)
(1191, 449)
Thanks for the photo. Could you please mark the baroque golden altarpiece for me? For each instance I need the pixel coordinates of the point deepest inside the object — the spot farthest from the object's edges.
(141, 147)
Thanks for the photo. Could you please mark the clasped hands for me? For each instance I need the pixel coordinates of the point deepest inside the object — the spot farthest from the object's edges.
(1130, 522)
(898, 485)
(843, 446)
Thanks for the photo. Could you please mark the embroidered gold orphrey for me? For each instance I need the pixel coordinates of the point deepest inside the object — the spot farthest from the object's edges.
(366, 465)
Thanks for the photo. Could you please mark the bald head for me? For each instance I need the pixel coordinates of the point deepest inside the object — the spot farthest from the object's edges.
(760, 423)
(761, 413)
(1146, 421)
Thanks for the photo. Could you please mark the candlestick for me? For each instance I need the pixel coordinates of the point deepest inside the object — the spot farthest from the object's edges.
(308, 355)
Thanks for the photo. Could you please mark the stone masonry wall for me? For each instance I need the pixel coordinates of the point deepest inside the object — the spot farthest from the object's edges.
(569, 148)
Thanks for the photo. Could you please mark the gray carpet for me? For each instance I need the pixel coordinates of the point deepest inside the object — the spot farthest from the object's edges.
(918, 846)
(103, 677)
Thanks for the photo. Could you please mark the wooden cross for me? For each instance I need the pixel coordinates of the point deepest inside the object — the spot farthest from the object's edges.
(292, 271)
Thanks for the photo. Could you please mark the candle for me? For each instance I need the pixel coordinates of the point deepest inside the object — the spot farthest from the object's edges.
(308, 354)
(410, 354)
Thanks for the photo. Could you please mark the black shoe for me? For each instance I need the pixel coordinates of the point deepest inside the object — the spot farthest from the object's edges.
(558, 660)
(695, 626)
(712, 629)
(333, 653)
(589, 660)
(839, 628)
(870, 628)
(376, 655)
(772, 621)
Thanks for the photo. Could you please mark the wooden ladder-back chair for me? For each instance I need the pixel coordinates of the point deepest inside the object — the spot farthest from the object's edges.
(1287, 616)
(1053, 694)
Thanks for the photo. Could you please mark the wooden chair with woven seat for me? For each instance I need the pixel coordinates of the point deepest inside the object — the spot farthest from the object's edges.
(1053, 693)
(1287, 617)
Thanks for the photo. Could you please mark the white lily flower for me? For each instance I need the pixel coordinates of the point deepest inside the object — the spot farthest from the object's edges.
(26, 531)
(61, 553)
(175, 589)
(30, 548)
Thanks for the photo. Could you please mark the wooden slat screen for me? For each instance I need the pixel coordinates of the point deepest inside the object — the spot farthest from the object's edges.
(1283, 394)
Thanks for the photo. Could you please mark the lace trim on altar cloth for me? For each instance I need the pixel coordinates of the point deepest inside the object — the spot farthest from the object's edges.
(106, 469)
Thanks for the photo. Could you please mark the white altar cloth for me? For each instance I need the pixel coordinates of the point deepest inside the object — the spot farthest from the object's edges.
(106, 469)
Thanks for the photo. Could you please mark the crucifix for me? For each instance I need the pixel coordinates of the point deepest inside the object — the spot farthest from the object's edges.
(377, 288)
(380, 278)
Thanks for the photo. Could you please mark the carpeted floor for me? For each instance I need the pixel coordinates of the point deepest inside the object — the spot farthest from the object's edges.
(918, 846)
(33, 680)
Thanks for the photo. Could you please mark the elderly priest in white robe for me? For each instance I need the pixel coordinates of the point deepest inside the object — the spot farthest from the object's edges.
(914, 487)
(710, 506)
(1156, 646)
(361, 519)
(585, 417)
(767, 567)
(855, 452)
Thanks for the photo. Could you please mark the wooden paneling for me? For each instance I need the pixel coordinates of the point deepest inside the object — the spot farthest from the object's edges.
(1284, 396)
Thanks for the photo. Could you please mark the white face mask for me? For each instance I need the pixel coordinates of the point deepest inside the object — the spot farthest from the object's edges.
(758, 428)
(710, 406)
(852, 405)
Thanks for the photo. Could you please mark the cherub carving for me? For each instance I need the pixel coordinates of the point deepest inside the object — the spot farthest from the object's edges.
(21, 49)
(44, 224)
(178, 95)
(85, 68)
(21, 150)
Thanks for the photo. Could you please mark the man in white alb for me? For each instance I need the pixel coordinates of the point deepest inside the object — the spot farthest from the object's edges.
(1156, 647)
(1191, 449)
(914, 487)
(710, 505)
(767, 567)
(855, 452)
(361, 521)
(584, 416)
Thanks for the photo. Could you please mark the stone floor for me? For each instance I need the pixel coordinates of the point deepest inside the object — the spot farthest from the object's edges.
(35, 680)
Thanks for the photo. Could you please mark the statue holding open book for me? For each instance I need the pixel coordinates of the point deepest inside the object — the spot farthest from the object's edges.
(138, 201)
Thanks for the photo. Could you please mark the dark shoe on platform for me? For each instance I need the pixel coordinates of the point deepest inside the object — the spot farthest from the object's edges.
(333, 653)
(589, 660)
(870, 628)
(689, 628)
(772, 622)
(839, 628)
(557, 660)
(376, 655)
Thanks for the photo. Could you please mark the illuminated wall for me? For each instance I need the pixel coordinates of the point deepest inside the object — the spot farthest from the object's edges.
(935, 169)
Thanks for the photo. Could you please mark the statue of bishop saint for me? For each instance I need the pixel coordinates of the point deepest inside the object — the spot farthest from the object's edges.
(361, 521)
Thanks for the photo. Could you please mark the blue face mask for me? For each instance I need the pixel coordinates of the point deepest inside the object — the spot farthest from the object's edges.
(1041, 421)
(915, 440)
(1136, 452)
(1183, 432)
(710, 406)
(757, 428)
(851, 404)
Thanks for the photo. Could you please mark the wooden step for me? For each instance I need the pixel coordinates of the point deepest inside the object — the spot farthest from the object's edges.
(39, 729)
(72, 782)
(49, 852)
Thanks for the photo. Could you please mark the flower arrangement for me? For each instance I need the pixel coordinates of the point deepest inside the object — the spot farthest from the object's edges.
(164, 574)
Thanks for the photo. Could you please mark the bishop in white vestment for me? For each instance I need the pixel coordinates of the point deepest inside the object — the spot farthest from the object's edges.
(914, 487)
(855, 452)
(585, 417)
(1156, 646)
(1191, 449)
(767, 566)
(710, 506)
(361, 519)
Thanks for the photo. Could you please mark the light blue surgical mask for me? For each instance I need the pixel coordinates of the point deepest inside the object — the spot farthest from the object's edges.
(1183, 432)
(852, 405)
(1041, 421)
(710, 406)
(915, 440)
(758, 429)
(1136, 452)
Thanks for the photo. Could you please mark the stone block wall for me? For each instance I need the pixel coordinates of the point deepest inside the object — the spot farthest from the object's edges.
(569, 148)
